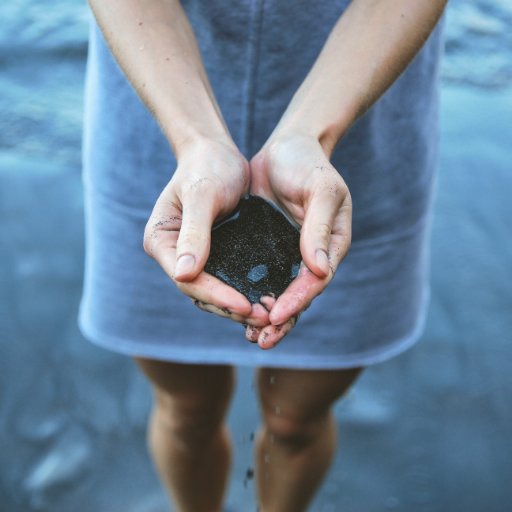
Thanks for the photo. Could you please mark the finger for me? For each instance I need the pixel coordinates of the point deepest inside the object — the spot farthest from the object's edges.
(252, 333)
(193, 244)
(341, 235)
(271, 335)
(268, 302)
(212, 295)
(317, 228)
(161, 236)
(254, 318)
(259, 316)
(207, 289)
(297, 297)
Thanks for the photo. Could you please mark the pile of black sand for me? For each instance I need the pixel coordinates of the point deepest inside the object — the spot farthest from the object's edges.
(255, 250)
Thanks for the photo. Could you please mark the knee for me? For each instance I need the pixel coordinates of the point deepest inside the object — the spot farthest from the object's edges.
(188, 419)
(294, 431)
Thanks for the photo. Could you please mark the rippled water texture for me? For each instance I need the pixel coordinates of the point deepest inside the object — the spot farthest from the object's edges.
(479, 43)
(43, 46)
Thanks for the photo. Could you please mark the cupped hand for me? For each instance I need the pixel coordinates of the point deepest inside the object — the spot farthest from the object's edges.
(296, 175)
(208, 183)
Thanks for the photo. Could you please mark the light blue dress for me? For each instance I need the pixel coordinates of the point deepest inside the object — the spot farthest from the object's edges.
(256, 53)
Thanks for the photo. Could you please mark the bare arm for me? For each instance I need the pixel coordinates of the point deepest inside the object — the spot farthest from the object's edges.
(369, 47)
(155, 46)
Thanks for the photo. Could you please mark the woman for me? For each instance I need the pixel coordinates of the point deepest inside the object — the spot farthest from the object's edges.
(284, 86)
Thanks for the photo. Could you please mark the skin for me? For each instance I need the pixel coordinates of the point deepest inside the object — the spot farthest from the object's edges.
(370, 45)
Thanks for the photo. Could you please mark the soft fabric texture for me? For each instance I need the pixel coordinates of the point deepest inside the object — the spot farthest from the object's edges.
(256, 53)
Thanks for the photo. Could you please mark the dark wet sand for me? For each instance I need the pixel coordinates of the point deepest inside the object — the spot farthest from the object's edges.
(255, 250)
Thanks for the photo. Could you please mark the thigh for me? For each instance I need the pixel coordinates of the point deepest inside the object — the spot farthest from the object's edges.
(189, 389)
(302, 394)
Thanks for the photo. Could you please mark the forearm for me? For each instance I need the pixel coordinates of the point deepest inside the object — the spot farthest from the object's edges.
(369, 47)
(155, 46)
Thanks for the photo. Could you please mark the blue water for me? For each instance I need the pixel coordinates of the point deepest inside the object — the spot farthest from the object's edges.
(429, 431)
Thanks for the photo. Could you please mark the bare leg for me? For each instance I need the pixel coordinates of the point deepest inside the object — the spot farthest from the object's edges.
(187, 437)
(295, 447)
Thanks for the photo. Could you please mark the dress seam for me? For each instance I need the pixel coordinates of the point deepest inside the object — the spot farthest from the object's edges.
(253, 57)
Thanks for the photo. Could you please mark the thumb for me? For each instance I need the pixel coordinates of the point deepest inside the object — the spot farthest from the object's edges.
(193, 246)
(316, 233)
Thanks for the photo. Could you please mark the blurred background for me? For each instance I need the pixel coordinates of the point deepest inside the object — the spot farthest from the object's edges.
(429, 431)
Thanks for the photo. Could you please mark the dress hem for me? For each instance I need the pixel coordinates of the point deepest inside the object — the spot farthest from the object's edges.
(135, 348)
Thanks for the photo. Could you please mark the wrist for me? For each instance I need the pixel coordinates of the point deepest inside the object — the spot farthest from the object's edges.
(288, 149)
(188, 120)
(194, 140)
(313, 122)
(216, 155)
(285, 135)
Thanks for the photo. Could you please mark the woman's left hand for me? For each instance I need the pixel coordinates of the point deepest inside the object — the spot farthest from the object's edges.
(295, 174)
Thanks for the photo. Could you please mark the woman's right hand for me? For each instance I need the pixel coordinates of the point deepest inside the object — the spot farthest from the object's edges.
(209, 181)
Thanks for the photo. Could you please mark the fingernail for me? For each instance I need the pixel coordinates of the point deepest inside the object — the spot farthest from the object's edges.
(322, 260)
(185, 264)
